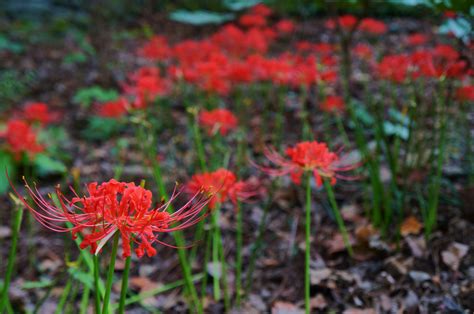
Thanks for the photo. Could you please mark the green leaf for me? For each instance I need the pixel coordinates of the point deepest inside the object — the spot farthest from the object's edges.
(86, 96)
(200, 17)
(6, 164)
(101, 128)
(396, 130)
(8, 45)
(43, 283)
(45, 165)
(86, 278)
(75, 57)
(238, 5)
(459, 27)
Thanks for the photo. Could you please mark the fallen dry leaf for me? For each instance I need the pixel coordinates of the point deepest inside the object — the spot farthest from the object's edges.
(318, 275)
(285, 308)
(318, 302)
(359, 311)
(142, 284)
(410, 225)
(5, 232)
(453, 255)
(364, 233)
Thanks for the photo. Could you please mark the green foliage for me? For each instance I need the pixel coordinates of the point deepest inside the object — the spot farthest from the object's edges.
(100, 128)
(45, 165)
(6, 164)
(75, 57)
(200, 17)
(84, 277)
(86, 96)
(459, 27)
(8, 45)
(238, 5)
(42, 283)
(14, 86)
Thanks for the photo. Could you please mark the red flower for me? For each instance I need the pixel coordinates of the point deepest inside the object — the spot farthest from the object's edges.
(449, 14)
(465, 93)
(285, 26)
(261, 9)
(417, 39)
(311, 157)
(113, 109)
(372, 26)
(146, 85)
(218, 120)
(252, 20)
(394, 68)
(38, 112)
(113, 207)
(21, 138)
(346, 22)
(363, 51)
(221, 185)
(156, 49)
(333, 104)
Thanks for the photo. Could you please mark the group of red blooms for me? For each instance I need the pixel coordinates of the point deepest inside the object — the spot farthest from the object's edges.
(232, 57)
(21, 130)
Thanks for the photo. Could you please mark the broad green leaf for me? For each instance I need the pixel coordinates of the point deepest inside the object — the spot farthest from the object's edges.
(238, 5)
(6, 164)
(200, 17)
(86, 96)
(396, 130)
(45, 165)
(100, 128)
(85, 278)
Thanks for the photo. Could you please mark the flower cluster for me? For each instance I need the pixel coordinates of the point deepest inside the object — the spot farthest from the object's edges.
(21, 138)
(218, 120)
(314, 157)
(222, 185)
(115, 207)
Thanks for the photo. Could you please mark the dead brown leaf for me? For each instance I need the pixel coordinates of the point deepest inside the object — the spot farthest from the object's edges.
(359, 311)
(142, 283)
(410, 225)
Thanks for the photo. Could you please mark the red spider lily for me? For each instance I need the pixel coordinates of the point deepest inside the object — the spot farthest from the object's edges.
(285, 27)
(21, 138)
(394, 68)
(417, 39)
(252, 20)
(346, 22)
(146, 85)
(261, 9)
(113, 109)
(465, 93)
(39, 112)
(449, 14)
(372, 26)
(333, 104)
(313, 157)
(113, 207)
(218, 120)
(363, 51)
(222, 185)
(156, 49)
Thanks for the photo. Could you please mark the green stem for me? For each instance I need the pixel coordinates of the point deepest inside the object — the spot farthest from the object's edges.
(65, 294)
(11, 257)
(258, 241)
(337, 215)
(215, 256)
(307, 259)
(238, 266)
(96, 284)
(110, 274)
(123, 291)
(84, 300)
(342, 130)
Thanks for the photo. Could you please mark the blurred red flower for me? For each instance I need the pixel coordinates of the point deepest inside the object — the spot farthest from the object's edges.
(218, 120)
(39, 112)
(313, 157)
(373, 26)
(333, 104)
(465, 93)
(221, 185)
(21, 138)
(285, 26)
(113, 109)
